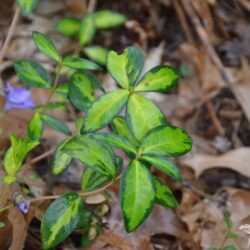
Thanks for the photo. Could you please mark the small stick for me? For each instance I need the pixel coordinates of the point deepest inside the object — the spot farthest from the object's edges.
(10, 33)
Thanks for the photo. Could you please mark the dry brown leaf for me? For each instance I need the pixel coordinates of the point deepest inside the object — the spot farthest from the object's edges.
(237, 160)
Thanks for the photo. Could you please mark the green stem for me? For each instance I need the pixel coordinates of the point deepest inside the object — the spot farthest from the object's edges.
(56, 81)
(223, 242)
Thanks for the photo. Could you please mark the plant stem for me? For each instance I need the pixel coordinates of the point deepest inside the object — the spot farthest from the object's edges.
(56, 81)
(83, 194)
(10, 33)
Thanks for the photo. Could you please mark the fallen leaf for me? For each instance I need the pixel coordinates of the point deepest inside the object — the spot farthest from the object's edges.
(237, 160)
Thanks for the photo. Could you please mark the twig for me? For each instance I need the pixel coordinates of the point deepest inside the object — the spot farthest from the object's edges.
(183, 21)
(83, 194)
(42, 156)
(91, 6)
(10, 33)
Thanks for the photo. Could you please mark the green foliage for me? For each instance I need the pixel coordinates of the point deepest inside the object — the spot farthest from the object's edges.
(117, 141)
(164, 195)
(56, 124)
(80, 63)
(60, 219)
(60, 161)
(81, 89)
(97, 54)
(68, 26)
(15, 155)
(26, 6)
(161, 78)
(142, 115)
(166, 140)
(141, 131)
(105, 19)
(137, 195)
(125, 68)
(32, 73)
(92, 153)
(165, 166)
(104, 109)
(35, 127)
(87, 29)
(46, 46)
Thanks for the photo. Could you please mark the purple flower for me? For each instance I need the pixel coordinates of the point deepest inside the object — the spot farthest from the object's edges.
(23, 206)
(17, 98)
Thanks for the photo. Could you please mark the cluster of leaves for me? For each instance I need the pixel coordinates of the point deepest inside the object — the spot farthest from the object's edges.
(85, 29)
(142, 133)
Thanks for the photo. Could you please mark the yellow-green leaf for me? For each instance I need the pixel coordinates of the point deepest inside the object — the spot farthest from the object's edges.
(105, 19)
(94, 154)
(104, 109)
(166, 140)
(60, 160)
(35, 127)
(68, 26)
(116, 141)
(87, 29)
(46, 46)
(32, 73)
(165, 166)
(26, 6)
(60, 219)
(97, 53)
(160, 78)
(125, 68)
(142, 115)
(120, 126)
(80, 63)
(164, 195)
(137, 195)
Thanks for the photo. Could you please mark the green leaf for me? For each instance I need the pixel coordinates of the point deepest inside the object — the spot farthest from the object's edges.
(232, 235)
(60, 160)
(164, 195)
(93, 153)
(51, 105)
(26, 6)
(55, 124)
(68, 26)
(120, 126)
(105, 19)
(81, 89)
(32, 73)
(116, 141)
(160, 78)
(166, 140)
(142, 115)
(165, 166)
(60, 219)
(35, 127)
(97, 54)
(137, 195)
(87, 29)
(16, 153)
(2, 225)
(80, 63)
(63, 90)
(46, 46)
(92, 179)
(228, 221)
(104, 109)
(229, 247)
(125, 68)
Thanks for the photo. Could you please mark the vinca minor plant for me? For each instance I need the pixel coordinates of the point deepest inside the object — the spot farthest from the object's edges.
(138, 127)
